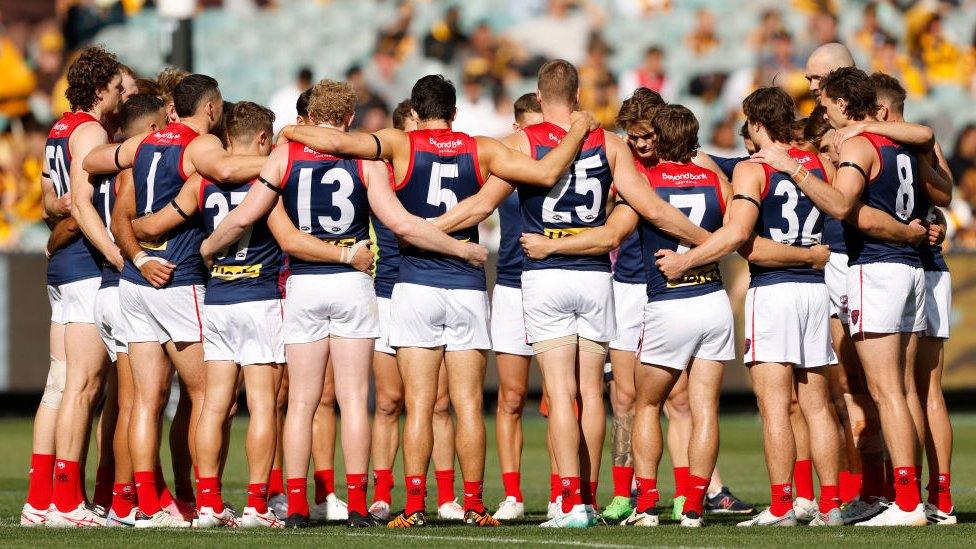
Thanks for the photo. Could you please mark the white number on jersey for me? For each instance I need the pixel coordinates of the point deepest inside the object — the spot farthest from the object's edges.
(436, 193)
(340, 199)
(582, 185)
(219, 201)
(59, 169)
(695, 204)
(905, 200)
(151, 182)
(793, 234)
(106, 189)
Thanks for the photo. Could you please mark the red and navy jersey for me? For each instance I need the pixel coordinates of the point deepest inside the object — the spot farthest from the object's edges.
(895, 191)
(157, 177)
(79, 259)
(248, 269)
(628, 265)
(697, 193)
(931, 256)
(510, 256)
(443, 171)
(577, 202)
(388, 257)
(788, 216)
(325, 196)
(103, 199)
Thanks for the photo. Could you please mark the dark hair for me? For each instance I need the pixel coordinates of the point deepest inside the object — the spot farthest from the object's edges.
(796, 130)
(193, 90)
(675, 133)
(853, 86)
(433, 97)
(168, 79)
(92, 71)
(744, 130)
(816, 126)
(773, 109)
(136, 107)
(639, 107)
(245, 119)
(525, 104)
(889, 88)
(353, 70)
(146, 85)
(558, 79)
(305, 74)
(401, 113)
(301, 105)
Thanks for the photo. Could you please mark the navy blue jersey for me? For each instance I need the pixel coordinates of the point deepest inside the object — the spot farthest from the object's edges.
(788, 216)
(443, 171)
(895, 191)
(325, 196)
(727, 165)
(157, 177)
(931, 256)
(388, 254)
(79, 259)
(629, 266)
(103, 198)
(833, 234)
(510, 257)
(697, 192)
(576, 203)
(248, 269)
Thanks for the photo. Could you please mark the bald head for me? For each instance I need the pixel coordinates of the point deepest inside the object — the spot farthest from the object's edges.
(824, 59)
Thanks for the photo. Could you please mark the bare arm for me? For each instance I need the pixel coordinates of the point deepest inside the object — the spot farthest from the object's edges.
(512, 165)
(879, 224)
(54, 208)
(206, 155)
(84, 139)
(596, 241)
(937, 187)
(155, 225)
(101, 159)
(905, 133)
(769, 253)
(358, 144)
(474, 209)
(63, 233)
(158, 273)
(306, 247)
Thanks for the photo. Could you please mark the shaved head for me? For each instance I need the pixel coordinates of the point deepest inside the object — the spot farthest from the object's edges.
(824, 59)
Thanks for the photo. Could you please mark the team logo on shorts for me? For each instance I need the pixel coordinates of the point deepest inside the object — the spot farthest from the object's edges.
(415, 482)
(565, 483)
(843, 303)
(748, 345)
(855, 315)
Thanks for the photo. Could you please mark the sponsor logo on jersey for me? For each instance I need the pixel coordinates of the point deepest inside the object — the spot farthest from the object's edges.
(563, 232)
(682, 177)
(452, 144)
(154, 246)
(347, 242)
(169, 136)
(60, 127)
(554, 139)
(235, 272)
(698, 276)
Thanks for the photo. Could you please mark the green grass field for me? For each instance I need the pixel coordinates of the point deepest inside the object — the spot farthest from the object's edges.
(740, 462)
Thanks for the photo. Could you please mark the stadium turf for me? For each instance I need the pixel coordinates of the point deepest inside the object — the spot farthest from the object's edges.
(740, 461)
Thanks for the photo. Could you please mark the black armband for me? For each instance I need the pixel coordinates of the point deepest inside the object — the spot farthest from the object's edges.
(46, 175)
(379, 148)
(276, 189)
(179, 210)
(117, 164)
(856, 167)
(746, 197)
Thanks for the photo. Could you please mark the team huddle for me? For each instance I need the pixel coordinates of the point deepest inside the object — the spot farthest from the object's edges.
(187, 237)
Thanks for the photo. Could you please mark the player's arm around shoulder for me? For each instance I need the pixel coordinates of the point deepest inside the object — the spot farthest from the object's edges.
(207, 155)
(476, 208)
(156, 272)
(111, 158)
(83, 140)
(621, 222)
(181, 209)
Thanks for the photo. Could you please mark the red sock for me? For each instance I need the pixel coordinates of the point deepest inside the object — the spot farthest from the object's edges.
(123, 498)
(41, 483)
(803, 478)
(850, 485)
(297, 495)
(165, 496)
(781, 499)
(513, 485)
(383, 483)
(196, 481)
(695, 495)
(555, 488)
(591, 491)
(473, 496)
(210, 494)
(890, 480)
(146, 493)
(680, 480)
(571, 493)
(647, 495)
(257, 496)
(445, 486)
(67, 482)
(872, 480)
(104, 477)
(416, 493)
(324, 484)
(356, 492)
(276, 483)
(622, 479)
(906, 491)
(829, 498)
(940, 493)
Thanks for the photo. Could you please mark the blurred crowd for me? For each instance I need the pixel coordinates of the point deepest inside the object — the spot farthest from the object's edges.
(930, 45)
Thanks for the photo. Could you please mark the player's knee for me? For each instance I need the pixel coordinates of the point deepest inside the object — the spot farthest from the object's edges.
(511, 402)
(54, 386)
(679, 407)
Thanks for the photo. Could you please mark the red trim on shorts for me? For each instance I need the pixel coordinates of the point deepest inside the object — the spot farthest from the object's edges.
(860, 278)
(753, 334)
(196, 305)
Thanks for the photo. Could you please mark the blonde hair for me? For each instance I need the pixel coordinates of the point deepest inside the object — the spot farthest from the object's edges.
(332, 102)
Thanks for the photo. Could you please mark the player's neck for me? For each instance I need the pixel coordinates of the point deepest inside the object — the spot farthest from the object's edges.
(558, 114)
(195, 123)
(325, 125)
(439, 124)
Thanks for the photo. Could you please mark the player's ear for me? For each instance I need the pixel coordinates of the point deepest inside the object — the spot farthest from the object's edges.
(453, 115)
(883, 113)
(515, 127)
(413, 113)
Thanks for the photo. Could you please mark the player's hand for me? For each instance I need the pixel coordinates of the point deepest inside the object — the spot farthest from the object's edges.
(671, 264)
(847, 132)
(777, 156)
(62, 206)
(207, 253)
(820, 255)
(918, 232)
(282, 140)
(157, 272)
(362, 258)
(584, 118)
(937, 234)
(115, 258)
(476, 255)
(535, 246)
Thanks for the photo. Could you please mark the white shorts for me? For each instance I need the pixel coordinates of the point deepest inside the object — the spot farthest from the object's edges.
(161, 314)
(788, 323)
(562, 302)
(425, 316)
(629, 302)
(938, 303)
(108, 317)
(78, 300)
(322, 305)
(677, 330)
(382, 344)
(835, 276)
(245, 333)
(886, 298)
(54, 298)
(508, 322)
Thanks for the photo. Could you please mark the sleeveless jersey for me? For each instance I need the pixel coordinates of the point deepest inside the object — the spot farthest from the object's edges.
(788, 216)
(574, 204)
(157, 176)
(697, 193)
(510, 257)
(443, 171)
(325, 196)
(248, 269)
(79, 259)
(628, 265)
(388, 257)
(931, 256)
(727, 165)
(104, 200)
(894, 191)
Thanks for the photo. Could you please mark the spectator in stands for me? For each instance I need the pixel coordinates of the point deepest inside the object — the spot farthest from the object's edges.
(476, 109)
(782, 66)
(649, 74)
(85, 18)
(368, 102)
(282, 103)
(445, 38)
(17, 81)
(943, 60)
(821, 29)
(702, 40)
(556, 34)
(594, 71)
(869, 35)
(395, 38)
(962, 163)
(887, 59)
(770, 23)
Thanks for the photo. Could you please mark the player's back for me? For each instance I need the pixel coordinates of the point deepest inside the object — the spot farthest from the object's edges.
(388, 254)
(443, 171)
(788, 216)
(248, 269)
(697, 193)
(895, 191)
(79, 259)
(510, 256)
(325, 196)
(104, 200)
